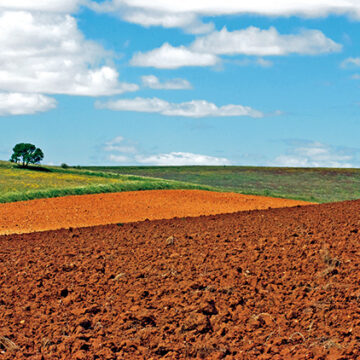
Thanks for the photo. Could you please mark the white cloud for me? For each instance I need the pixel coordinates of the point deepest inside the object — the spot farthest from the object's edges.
(350, 62)
(152, 82)
(188, 22)
(221, 7)
(22, 104)
(356, 77)
(120, 145)
(122, 155)
(118, 158)
(46, 53)
(147, 17)
(194, 108)
(186, 13)
(204, 51)
(255, 41)
(248, 61)
(263, 62)
(117, 140)
(64, 6)
(314, 154)
(169, 57)
(181, 158)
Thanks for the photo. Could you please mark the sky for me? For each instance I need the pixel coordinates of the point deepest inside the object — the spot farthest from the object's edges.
(180, 82)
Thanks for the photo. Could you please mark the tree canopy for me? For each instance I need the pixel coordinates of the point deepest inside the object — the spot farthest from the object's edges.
(26, 154)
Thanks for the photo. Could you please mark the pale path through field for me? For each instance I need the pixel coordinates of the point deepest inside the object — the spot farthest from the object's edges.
(101, 209)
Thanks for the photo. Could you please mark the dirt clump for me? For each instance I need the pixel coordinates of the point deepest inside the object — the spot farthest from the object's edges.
(269, 284)
(100, 209)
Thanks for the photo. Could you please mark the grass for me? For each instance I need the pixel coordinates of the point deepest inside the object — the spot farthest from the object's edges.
(310, 184)
(18, 184)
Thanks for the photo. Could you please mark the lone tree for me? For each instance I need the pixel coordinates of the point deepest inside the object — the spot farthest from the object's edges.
(26, 154)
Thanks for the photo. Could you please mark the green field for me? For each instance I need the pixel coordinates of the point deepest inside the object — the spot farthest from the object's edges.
(310, 184)
(18, 184)
(316, 185)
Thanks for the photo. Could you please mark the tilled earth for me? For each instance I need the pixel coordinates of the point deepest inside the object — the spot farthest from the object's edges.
(269, 284)
(100, 209)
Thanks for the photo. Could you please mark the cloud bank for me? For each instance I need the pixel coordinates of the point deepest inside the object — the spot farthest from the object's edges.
(181, 159)
(194, 109)
(314, 154)
(205, 50)
(187, 14)
(122, 153)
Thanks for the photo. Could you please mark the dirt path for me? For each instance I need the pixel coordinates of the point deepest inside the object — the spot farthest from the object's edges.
(101, 209)
(273, 284)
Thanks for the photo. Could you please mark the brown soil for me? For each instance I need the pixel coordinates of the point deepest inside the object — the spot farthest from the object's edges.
(91, 210)
(271, 284)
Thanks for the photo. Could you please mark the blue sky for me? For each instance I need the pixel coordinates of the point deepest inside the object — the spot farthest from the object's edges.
(133, 82)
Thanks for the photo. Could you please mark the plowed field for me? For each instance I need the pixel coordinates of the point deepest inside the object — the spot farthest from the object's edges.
(269, 284)
(90, 210)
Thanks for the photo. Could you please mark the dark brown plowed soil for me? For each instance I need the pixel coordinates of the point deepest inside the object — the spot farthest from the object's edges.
(273, 284)
(100, 209)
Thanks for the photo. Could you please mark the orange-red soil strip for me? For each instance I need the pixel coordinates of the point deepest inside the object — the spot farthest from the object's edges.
(100, 209)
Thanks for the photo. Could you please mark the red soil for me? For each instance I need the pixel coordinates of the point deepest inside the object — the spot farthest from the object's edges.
(91, 210)
(273, 284)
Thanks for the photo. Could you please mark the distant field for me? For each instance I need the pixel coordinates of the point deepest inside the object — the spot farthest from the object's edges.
(18, 184)
(316, 185)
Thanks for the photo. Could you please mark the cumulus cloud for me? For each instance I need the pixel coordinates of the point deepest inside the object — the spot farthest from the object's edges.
(170, 57)
(181, 158)
(255, 41)
(188, 22)
(62, 6)
(205, 50)
(152, 82)
(194, 108)
(186, 14)
(145, 16)
(23, 104)
(314, 154)
(46, 53)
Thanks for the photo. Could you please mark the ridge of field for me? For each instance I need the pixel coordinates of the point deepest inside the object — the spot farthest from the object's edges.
(319, 185)
(19, 184)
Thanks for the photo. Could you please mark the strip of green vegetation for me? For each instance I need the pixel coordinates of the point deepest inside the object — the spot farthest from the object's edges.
(309, 184)
(18, 184)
